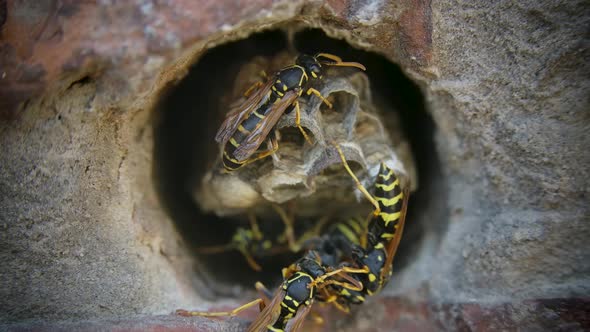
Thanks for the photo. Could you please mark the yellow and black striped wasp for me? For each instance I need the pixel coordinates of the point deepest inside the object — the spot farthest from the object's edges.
(250, 242)
(383, 235)
(287, 308)
(343, 268)
(246, 127)
(254, 243)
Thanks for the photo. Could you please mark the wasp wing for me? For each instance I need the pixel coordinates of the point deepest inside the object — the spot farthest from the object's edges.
(235, 116)
(269, 314)
(263, 128)
(394, 242)
(353, 284)
(296, 322)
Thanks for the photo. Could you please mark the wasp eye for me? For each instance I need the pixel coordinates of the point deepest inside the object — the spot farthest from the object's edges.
(315, 71)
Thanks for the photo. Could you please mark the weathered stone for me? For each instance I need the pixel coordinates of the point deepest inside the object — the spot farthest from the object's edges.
(503, 214)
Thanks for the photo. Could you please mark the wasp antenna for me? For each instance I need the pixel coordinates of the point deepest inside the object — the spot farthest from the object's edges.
(290, 32)
(251, 261)
(257, 234)
(332, 57)
(186, 313)
(337, 61)
(347, 64)
(358, 183)
(216, 249)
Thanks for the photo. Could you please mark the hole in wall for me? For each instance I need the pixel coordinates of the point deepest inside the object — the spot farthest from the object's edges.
(189, 115)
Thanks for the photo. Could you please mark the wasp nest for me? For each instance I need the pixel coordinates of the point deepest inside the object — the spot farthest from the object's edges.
(313, 175)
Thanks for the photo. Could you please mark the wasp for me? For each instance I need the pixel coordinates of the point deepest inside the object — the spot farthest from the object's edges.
(246, 127)
(373, 260)
(383, 232)
(343, 268)
(338, 241)
(253, 243)
(250, 243)
(338, 247)
(367, 245)
(294, 300)
(291, 303)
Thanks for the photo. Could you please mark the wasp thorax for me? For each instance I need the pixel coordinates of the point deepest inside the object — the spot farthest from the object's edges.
(312, 67)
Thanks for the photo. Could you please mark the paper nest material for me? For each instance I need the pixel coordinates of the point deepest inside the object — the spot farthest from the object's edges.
(313, 175)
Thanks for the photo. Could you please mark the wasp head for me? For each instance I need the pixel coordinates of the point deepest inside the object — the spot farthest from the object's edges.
(311, 65)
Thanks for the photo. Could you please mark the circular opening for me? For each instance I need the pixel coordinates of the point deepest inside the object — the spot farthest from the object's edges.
(188, 117)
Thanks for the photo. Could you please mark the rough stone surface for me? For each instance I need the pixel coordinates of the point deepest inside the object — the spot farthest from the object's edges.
(84, 236)
(511, 103)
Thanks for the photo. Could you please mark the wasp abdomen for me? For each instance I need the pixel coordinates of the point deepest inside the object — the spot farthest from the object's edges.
(251, 123)
(389, 195)
(297, 294)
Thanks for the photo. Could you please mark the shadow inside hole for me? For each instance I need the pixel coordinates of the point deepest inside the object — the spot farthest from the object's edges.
(189, 115)
(186, 121)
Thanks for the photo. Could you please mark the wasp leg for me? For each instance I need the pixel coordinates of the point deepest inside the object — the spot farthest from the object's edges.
(256, 85)
(346, 285)
(321, 280)
(294, 244)
(317, 318)
(272, 143)
(216, 249)
(288, 271)
(298, 122)
(262, 155)
(340, 306)
(265, 293)
(362, 188)
(319, 94)
(289, 231)
(313, 233)
(254, 226)
(349, 283)
(250, 260)
(333, 299)
(365, 234)
(253, 87)
(234, 312)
